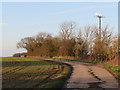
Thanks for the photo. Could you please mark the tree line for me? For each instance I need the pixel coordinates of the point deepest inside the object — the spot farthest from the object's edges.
(99, 45)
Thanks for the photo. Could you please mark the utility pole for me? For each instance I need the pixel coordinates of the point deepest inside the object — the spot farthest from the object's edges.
(99, 16)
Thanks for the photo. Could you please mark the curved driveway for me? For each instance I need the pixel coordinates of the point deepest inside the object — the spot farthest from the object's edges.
(86, 75)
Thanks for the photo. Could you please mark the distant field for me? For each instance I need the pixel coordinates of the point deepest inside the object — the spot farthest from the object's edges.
(33, 73)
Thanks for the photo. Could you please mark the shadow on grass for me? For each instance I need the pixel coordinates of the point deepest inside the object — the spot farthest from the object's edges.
(27, 63)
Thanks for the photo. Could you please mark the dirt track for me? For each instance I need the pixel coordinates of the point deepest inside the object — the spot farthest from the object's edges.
(86, 75)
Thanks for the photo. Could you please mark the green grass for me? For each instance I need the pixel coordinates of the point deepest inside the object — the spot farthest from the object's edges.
(115, 70)
(75, 60)
(33, 73)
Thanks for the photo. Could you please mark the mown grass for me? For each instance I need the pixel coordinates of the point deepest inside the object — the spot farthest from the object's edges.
(33, 73)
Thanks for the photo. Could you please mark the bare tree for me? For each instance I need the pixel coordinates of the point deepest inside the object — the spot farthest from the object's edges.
(88, 33)
(43, 35)
(39, 38)
(67, 29)
(102, 45)
(27, 43)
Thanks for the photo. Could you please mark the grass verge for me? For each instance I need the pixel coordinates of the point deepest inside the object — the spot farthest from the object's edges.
(115, 70)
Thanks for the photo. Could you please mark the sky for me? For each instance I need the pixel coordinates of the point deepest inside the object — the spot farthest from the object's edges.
(24, 19)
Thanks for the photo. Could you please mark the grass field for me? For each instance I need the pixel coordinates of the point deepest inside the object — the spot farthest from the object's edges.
(33, 73)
